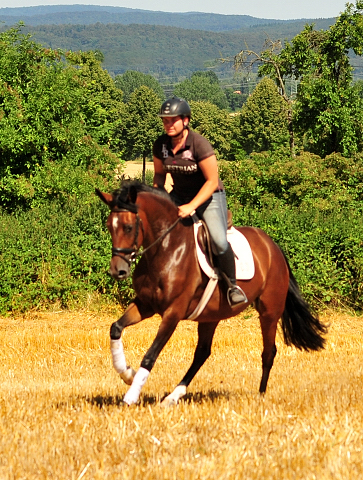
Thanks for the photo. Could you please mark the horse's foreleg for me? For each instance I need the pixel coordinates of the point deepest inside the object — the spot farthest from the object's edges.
(202, 352)
(165, 331)
(133, 314)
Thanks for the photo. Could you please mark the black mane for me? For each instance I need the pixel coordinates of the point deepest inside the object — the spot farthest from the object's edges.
(121, 196)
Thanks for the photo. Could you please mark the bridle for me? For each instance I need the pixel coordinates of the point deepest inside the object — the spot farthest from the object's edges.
(134, 252)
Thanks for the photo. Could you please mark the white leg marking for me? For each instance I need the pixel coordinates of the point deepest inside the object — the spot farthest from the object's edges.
(118, 356)
(133, 393)
(175, 396)
(119, 362)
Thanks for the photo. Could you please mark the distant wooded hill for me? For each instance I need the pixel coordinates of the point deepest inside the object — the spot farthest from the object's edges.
(89, 14)
(168, 45)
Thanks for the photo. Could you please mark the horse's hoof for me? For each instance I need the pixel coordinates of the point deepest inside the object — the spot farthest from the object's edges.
(168, 402)
(128, 375)
(129, 404)
(173, 399)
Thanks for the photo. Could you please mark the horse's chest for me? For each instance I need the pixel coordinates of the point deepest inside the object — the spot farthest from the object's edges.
(147, 287)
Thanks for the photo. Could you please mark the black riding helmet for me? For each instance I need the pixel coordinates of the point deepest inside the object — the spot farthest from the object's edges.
(175, 107)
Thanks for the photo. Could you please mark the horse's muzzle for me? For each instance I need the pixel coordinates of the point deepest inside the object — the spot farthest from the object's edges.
(119, 268)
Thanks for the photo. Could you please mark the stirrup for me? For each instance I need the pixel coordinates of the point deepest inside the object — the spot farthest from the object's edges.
(243, 295)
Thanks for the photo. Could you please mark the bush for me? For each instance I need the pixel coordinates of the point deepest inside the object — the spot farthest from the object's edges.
(56, 251)
(312, 208)
(56, 254)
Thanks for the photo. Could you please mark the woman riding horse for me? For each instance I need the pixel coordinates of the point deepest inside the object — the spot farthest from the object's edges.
(192, 163)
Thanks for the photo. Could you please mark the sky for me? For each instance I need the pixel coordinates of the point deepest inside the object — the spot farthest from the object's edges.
(283, 10)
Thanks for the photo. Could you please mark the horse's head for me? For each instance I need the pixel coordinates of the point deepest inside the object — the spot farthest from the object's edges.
(158, 216)
(123, 223)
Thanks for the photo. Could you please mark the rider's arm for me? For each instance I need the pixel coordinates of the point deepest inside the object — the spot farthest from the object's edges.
(210, 171)
(159, 173)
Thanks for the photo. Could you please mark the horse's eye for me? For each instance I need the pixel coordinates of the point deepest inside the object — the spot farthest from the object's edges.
(127, 228)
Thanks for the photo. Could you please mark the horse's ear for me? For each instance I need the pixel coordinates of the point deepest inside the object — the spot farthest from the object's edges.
(105, 197)
(132, 196)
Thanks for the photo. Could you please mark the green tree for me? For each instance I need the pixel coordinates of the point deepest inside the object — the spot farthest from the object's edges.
(235, 98)
(358, 86)
(43, 123)
(129, 81)
(209, 75)
(216, 125)
(35, 103)
(142, 125)
(202, 87)
(327, 110)
(262, 123)
(102, 105)
(272, 65)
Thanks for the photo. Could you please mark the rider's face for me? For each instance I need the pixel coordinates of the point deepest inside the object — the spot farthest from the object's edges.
(174, 126)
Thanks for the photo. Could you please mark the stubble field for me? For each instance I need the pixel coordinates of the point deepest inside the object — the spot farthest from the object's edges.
(62, 416)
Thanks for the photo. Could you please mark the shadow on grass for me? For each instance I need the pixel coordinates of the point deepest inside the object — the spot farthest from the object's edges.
(210, 396)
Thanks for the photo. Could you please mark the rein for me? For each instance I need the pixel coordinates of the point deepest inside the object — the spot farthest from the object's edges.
(134, 252)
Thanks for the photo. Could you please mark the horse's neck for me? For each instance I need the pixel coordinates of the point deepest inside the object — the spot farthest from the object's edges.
(160, 217)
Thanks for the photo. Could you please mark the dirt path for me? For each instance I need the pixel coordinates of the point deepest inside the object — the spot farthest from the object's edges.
(132, 169)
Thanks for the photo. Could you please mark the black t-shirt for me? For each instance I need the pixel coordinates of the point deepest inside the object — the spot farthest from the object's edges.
(183, 166)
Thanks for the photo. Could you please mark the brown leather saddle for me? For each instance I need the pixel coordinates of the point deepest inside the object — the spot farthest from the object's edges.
(204, 242)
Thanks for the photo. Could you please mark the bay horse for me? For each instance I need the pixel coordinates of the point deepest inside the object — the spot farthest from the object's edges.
(168, 281)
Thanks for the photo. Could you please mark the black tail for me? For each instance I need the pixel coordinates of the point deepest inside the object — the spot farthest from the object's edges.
(299, 326)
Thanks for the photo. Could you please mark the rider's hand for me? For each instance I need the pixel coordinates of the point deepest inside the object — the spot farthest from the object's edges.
(185, 210)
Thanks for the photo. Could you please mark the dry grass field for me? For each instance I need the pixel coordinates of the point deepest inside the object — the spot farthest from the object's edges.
(62, 415)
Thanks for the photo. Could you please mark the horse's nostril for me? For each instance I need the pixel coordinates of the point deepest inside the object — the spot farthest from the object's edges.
(118, 274)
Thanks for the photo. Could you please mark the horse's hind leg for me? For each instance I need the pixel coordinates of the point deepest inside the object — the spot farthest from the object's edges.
(202, 352)
(135, 312)
(268, 323)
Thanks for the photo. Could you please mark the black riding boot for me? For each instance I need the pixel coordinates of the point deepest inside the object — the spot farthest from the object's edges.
(227, 267)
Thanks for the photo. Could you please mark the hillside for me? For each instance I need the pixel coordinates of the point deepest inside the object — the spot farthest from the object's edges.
(162, 51)
(90, 14)
(169, 46)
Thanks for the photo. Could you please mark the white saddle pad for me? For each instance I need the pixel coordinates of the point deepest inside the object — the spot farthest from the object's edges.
(245, 266)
